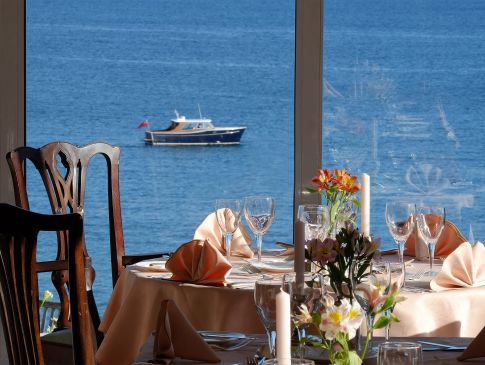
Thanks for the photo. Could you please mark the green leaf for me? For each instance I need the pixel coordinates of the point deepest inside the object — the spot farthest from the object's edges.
(394, 318)
(382, 322)
(388, 303)
(356, 202)
(354, 359)
(341, 338)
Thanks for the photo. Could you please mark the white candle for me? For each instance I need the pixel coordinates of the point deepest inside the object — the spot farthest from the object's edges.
(299, 263)
(365, 204)
(283, 328)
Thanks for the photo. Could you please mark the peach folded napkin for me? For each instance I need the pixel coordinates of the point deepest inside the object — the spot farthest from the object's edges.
(449, 240)
(199, 262)
(475, 349)
(464, 268)
(210, 230)
(176, 337)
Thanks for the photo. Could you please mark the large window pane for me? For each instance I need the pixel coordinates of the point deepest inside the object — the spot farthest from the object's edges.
(404, 101)
(96, 69)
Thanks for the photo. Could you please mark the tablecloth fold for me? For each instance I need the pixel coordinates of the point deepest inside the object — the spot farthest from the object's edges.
(176, 337)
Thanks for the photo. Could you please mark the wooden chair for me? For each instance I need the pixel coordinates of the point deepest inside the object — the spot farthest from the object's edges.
(66, 191)
(19, 289)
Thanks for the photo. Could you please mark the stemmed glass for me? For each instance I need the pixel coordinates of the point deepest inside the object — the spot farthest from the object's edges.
(228, 213)
(400, 222)
(259, 212)
(316, 220)
(431, 221)
(396, 271)
(265, 291)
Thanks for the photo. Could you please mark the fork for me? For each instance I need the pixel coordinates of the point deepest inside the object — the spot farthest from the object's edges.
(250, 268)
(420, 273)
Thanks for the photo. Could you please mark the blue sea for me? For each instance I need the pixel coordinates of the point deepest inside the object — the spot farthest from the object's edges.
(403, 101)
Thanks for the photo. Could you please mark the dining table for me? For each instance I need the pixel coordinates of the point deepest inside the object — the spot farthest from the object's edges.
(431, 355)
(131, 314)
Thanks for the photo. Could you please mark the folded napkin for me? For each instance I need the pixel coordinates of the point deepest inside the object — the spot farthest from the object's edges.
(241, 240)
(475, 349)
(199, 262)
(464, 268)
(176, 337)
(449, 240)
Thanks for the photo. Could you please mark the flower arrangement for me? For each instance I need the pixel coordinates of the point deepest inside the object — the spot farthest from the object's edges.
(338, 188)
(336, 258)
(337, 322)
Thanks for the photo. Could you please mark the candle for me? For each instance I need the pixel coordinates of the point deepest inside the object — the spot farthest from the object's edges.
(365, 204)
(283, 328)
(299, 263)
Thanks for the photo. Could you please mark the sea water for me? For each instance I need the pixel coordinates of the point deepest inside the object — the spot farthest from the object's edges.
(403, 101)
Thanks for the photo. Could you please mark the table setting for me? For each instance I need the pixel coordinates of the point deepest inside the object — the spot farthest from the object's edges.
(326, 297)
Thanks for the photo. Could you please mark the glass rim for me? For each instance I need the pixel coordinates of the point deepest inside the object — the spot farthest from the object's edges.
(400, 344)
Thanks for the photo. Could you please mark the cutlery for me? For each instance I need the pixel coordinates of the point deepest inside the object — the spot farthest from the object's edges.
(225, 335)
(451, 348)
(236, 346)
(441, 346)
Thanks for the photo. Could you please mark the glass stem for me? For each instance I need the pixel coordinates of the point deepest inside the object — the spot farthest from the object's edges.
(227, 240)
(400, 247)
(370, 323)
(272, 343)
(259, 245)
(431, 255)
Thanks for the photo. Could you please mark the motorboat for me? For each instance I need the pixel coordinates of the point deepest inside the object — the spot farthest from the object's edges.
(201, 131)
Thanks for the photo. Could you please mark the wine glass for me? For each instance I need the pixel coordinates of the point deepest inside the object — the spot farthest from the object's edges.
(265, 291)
(400, 222)
(228, 214)
(259, 212)
(431, 221)
(396, 271)
(315, 218)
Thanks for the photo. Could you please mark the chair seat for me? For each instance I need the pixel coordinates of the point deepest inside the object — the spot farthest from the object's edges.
(57, 347)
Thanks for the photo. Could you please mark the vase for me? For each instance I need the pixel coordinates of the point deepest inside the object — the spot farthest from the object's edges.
(339, 217)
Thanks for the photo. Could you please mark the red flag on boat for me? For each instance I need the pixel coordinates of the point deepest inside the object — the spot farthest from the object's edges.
(143, 124)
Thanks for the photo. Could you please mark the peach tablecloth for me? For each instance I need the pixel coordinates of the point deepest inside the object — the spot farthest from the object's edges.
(131, 314)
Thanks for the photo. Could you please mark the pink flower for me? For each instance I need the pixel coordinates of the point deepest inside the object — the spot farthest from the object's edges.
(322, 251)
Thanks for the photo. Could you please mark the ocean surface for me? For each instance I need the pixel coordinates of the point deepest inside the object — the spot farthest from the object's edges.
(403, 101)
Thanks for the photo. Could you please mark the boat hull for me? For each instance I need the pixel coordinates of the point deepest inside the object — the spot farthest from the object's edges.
(207, 137)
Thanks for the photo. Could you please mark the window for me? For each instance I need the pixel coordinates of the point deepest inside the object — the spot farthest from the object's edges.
(95, 70)
(403, 101)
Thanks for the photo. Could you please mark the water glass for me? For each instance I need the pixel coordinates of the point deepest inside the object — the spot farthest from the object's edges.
(228, 214)
(400, 222)
(431, 222)
(259, 212)
(265, 291)
(400, 353)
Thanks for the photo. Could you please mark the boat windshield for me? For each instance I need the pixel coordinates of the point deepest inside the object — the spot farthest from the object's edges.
(198, 125)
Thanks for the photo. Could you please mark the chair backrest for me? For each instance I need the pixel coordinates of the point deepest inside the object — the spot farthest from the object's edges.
(19, 289)
(65, 187)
